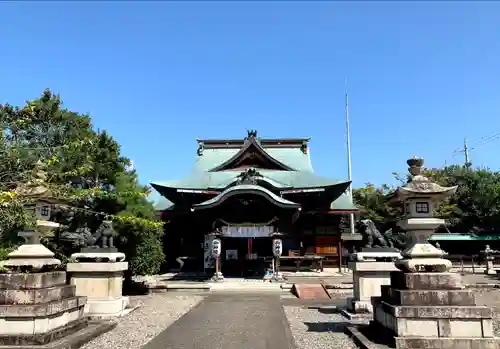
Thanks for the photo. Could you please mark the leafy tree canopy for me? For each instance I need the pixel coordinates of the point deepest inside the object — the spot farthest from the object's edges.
(474, 208)
(84, 166)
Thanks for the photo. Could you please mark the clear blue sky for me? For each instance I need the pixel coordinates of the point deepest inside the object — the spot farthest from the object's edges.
(421, 76)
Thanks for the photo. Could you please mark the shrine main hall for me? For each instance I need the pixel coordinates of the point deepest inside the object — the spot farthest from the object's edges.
(249, 190)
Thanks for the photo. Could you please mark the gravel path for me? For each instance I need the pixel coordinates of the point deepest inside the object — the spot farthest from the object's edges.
(491, 298)
(157, 312)
(317, 329)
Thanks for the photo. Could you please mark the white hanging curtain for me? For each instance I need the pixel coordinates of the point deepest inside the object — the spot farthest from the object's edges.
(247, 232)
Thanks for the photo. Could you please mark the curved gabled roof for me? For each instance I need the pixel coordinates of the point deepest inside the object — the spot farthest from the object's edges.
(246, 189)
(293, 153)
(222, 179)
(252, 143)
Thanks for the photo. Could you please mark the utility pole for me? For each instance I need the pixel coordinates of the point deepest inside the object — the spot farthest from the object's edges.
(348, 134)
(464, 150)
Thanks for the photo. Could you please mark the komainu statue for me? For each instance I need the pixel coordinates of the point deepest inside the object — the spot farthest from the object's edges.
(371, 236)
(105, 234)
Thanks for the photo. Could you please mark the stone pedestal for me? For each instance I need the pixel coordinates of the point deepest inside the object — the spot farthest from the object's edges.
(101, 282)
(432, 311)
(217, 277)
(38, 308)
(368, 277)
(36, 305)
(490, 270)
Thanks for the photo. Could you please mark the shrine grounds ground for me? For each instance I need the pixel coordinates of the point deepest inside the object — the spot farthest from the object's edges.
(243, 320)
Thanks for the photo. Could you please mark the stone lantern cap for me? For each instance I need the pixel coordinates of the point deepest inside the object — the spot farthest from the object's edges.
(420, 186)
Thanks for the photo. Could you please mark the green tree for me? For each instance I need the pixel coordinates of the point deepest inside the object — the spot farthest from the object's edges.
(85, 168)
(476, 203)
(375, 204)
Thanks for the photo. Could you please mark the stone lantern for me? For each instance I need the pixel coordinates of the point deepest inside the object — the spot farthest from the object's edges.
(38, 307)
(420, 197)
(40, 200)
(488, 254)
(425, 305)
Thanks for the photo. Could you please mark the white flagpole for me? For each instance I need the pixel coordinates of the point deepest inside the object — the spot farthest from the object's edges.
(348, 134)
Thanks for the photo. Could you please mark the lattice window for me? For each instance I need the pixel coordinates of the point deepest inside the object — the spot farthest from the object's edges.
(422, 207)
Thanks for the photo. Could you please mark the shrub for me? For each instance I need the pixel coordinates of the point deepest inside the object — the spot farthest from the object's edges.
(4, 251)
(148, 256)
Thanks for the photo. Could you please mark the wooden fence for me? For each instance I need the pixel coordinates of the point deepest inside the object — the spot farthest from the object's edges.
(467, 264)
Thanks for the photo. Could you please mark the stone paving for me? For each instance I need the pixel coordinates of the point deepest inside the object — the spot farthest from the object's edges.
(228, 321)
(231, 319)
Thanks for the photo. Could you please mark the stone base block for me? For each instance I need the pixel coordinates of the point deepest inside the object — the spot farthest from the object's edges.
(446, 343)
(354, 316)
(374, 335)
(37, 295)
(429, 297)
(20, 281)
(99, 280)
(435, 321)
(35, 339)
(96, 267)
(40, 319)
(106, 308)
(426, 281)
(359, 307)
(73, 335)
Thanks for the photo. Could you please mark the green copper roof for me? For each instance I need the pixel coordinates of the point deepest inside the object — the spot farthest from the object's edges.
(292, 157)
(201, 180)
(280, 153)
(343, 203)
(211, 158)
(298, 179)
(278, 179)
(162, 204)
(247, 189)
(462, 237)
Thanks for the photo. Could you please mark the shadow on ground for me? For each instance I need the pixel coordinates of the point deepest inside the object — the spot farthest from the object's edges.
(326, 326)
(324, 310)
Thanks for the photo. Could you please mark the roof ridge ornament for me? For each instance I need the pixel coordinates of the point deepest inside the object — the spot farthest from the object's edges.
(249, 176)
(201, 147)
(251, 134)
(303, 147)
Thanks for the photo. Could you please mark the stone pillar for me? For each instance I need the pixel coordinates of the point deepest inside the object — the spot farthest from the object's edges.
(99, 276)
(425, 305)
(368, 277)
(36, 304)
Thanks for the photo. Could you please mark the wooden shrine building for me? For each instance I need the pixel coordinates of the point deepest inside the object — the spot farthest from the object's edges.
(249, 189)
